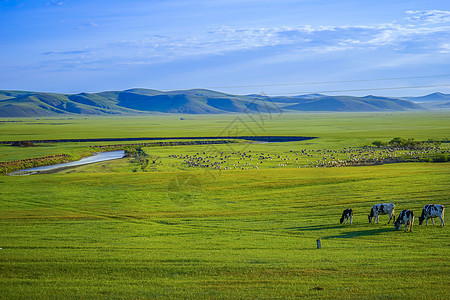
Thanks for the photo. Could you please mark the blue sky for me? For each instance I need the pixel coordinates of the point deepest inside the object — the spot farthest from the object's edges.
(241, 47)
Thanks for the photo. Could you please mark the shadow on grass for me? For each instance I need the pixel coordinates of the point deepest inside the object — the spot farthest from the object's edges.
(316, 227)
(347, 234)
(359, 233)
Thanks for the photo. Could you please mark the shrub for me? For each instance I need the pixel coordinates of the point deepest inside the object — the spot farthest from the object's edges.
(440, 158)
(379, 144)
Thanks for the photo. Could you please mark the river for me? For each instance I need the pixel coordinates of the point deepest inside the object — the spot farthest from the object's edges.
(104, 156)
(99, 157)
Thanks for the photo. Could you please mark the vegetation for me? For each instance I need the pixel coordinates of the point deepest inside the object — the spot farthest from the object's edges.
(9, 166)
(428, 151)
(408, 144)
(151, 226)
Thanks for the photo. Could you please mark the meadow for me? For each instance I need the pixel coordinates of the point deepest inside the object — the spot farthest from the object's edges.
(120, 230)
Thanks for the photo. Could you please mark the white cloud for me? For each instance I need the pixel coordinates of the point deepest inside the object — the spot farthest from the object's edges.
(87, 25)
(429, 16)
(55, 3)
(301, 41)
(445, 48)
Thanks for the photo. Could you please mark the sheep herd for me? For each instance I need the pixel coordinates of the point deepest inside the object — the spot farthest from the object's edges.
(303, 158)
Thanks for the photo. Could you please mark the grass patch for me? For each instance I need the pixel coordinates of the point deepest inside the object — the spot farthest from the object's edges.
(126, 229)
(112, 234)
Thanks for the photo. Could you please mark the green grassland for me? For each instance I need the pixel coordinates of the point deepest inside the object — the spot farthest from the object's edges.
(336, 130)
(121, 229)
(334, 125)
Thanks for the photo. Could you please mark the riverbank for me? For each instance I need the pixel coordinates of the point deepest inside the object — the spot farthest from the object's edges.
(11, 166)
(99, 157)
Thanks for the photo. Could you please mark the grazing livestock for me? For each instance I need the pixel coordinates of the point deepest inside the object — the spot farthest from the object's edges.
(382, 209)
(432, 211)
(406, 217)
(347, 215)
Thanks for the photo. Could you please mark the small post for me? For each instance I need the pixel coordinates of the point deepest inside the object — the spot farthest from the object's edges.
(318, 244)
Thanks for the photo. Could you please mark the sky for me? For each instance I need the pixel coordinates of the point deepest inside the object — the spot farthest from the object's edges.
(283, 47)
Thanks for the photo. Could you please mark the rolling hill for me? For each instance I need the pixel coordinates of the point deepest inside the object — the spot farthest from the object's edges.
(435, 97)
(195, 101)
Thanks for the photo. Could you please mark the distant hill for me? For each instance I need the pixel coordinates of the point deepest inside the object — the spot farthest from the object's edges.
(349, 103)
(445, 105)
(195, 101)
(435, 97)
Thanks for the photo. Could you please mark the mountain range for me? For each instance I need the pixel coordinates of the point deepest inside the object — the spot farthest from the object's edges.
(199, 101)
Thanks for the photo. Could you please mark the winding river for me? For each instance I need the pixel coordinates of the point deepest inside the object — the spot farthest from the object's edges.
(104, 156)
(99, 157)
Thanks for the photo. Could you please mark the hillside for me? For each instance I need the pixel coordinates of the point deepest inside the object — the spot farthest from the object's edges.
(435, 97)
(348, 103)
(195, 101)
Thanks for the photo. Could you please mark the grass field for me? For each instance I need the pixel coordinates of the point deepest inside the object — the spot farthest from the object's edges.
(113, 230)
(329, 125)
(336, 130)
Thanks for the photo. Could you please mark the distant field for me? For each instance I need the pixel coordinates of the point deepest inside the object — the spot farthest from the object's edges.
(334, 125)
(122, 229)
(335, 130)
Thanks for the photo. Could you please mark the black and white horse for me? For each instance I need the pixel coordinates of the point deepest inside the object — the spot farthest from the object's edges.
(347, 215)
(382, 209)
(406, 217)
(431, 211)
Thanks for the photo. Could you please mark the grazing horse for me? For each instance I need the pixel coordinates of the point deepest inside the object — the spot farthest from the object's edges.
(406, 217)
(431, 211)
(382, 209)
(347, 215)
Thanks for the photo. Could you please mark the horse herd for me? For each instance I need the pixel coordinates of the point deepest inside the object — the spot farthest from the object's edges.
(406, 216)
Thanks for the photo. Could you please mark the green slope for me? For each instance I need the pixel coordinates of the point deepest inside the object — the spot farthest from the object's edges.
(195, 101)
(48, 104)
(354, 104)
(435, 97)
